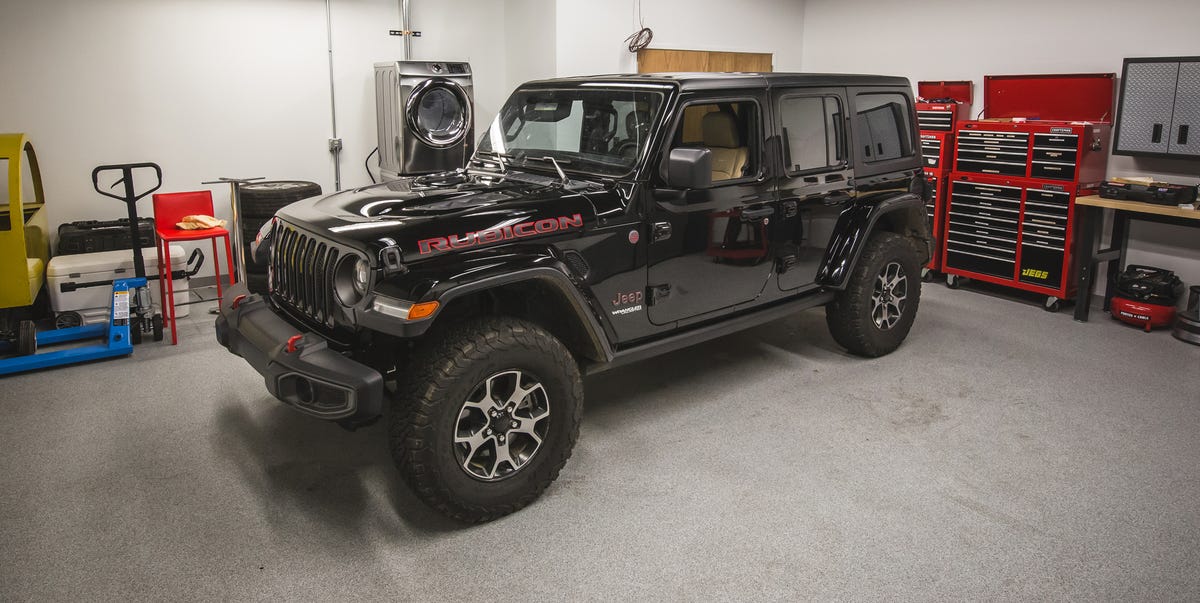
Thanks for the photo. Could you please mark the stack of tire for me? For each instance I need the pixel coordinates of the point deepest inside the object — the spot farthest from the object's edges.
(260, 201)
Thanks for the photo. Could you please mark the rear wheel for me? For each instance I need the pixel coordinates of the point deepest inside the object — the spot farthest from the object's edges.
(873, 314)
(486, 418)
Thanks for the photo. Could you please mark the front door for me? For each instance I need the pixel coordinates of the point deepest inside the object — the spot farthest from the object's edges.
(709, 248)
(817, 180)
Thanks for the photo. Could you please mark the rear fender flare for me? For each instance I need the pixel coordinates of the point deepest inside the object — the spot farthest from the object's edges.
(855, 226)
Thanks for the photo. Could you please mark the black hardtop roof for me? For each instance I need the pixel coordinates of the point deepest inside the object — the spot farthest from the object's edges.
(717, 81)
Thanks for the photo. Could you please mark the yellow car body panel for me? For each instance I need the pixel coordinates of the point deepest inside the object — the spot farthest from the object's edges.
(24, 231)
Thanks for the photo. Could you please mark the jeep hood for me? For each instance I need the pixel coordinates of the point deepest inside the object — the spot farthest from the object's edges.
(427, 218)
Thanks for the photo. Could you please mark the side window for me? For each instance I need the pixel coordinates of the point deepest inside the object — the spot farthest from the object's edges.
(811, 127)
(882, 126)
(727, 129)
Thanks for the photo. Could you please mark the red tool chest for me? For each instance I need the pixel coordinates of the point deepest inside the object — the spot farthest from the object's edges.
(937, 121)
(936, 109)
(1011, 196)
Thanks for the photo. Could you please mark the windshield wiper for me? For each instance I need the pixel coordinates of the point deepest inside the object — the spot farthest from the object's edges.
(500, 159)
(555, 162)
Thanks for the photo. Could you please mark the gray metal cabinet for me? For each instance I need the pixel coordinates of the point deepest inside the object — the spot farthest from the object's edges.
(1160, 108)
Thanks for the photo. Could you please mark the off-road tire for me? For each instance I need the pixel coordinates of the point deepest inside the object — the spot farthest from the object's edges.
(256, 281)
(849, 315)
(424, 411)
(262, 199)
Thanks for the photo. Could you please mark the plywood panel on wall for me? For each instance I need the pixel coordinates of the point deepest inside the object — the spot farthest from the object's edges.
(657, 60)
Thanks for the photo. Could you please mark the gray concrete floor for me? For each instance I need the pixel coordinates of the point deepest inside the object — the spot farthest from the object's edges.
(1003, 453)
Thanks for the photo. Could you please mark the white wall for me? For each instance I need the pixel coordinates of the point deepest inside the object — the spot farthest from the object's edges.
(216, 88)
(967, 39)
(591, 35)
(530, 47)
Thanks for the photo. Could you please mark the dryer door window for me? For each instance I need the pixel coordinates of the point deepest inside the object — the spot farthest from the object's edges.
(439, 113)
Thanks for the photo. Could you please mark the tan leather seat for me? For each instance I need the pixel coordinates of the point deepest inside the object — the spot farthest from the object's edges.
(720, 135)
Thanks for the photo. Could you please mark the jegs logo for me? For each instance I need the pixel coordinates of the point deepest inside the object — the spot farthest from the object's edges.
(1034, 273)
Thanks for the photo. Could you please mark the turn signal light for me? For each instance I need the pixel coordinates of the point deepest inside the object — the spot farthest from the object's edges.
(422, 310)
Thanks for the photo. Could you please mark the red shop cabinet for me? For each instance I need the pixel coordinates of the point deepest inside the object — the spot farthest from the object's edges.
(937, 150)
(942, 105)
(935, 213)
(1011, 196)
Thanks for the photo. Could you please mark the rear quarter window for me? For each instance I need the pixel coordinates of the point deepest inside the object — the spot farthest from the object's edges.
(883, 127)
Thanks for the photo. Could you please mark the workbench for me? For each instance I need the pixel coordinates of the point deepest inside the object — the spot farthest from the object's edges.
(1089, 212)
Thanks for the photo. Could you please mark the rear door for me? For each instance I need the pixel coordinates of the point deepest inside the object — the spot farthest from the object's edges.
(816, 183)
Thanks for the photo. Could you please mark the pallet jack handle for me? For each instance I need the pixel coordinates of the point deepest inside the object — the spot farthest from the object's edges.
(130, 198)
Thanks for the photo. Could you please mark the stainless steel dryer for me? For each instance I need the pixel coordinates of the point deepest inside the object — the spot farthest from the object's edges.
(425, 117)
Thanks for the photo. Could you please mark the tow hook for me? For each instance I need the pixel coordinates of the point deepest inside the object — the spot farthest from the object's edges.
(292, 343)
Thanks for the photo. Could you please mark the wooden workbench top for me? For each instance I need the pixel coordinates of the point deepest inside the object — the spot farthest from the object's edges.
(1138, 206)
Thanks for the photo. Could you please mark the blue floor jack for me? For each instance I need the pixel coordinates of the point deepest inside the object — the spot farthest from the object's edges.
(129, 310)
(117, 340)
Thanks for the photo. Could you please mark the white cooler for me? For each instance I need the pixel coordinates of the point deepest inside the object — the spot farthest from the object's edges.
(92, 303)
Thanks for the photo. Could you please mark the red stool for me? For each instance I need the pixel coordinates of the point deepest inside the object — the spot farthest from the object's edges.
(169, 209)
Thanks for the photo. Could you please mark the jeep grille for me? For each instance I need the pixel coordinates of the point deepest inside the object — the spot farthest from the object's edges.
(302, 268)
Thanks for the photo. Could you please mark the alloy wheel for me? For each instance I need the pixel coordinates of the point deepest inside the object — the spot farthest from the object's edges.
(887, 300)
(501, 425)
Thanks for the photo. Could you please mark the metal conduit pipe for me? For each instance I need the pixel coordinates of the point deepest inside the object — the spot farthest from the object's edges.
(405, 26)
(335, 143)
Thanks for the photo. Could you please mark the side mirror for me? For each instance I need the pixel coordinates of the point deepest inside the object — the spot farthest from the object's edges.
(689, 168)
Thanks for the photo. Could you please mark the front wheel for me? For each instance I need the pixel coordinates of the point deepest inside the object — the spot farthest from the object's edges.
(486, 417)
(873, 314)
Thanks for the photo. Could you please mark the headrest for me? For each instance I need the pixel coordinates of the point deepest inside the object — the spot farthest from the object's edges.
(720, 130)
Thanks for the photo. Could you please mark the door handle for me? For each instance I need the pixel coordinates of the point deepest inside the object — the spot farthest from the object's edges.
(1183, 132)
(835, 199)
(1156, 134)
(661, 231)
(752, 215)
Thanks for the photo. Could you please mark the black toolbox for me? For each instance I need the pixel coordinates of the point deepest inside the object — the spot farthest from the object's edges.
(90, 236)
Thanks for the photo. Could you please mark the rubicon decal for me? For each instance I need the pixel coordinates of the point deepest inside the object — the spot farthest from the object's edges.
(503, 233)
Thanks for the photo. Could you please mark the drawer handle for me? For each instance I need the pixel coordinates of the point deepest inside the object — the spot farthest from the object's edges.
(1183, 132)
(1156, 134)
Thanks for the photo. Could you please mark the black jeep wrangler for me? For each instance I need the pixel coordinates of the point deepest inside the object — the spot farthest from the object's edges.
(603, 220)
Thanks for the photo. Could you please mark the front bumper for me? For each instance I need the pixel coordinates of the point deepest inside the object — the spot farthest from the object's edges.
(311, 377)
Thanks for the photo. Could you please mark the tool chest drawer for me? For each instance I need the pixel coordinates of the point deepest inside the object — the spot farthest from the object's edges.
(1057, 141)
(1052, 170)
(1055, 155)
(942, 121)
(1048, 199)
(1042, 265)
(971, 260)
(988, 190)
(1007, 168)
(1002, 140)
(984, 225)
(1044, 219)
(1042, 230)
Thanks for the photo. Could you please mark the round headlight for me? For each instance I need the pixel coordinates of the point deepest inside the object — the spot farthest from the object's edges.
(362, 276)
(351, 280)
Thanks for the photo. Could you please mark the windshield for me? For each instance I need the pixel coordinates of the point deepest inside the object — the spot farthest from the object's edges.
(598, 131)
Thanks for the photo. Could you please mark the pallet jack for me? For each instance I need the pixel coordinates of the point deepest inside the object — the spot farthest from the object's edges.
(130, 308)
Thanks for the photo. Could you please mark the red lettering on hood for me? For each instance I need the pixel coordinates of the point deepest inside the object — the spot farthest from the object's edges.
(504, 233)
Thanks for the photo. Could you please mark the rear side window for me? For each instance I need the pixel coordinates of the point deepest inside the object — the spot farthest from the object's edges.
(882, 126)
(811, 127)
